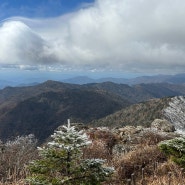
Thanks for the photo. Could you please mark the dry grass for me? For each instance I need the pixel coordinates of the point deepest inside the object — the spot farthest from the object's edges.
(167, 173)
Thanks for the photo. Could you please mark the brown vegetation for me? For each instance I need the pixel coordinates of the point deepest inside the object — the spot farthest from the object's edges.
(144, 163)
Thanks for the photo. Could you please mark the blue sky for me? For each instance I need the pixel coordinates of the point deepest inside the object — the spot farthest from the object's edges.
(96, 38)
(39, 8)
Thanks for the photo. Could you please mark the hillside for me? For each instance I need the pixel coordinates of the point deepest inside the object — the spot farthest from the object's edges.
(39, 109)
(138, 114)
(10, 96)
(141, 92)
(43, 113)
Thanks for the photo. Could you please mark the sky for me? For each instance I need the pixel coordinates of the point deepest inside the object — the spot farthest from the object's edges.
(85, 37)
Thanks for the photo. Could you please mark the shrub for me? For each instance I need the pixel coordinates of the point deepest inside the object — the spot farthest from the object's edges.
(14, 155)
(103, 141)
(175, 149)
(96, 150)
(135, 160)
(61, 161)
(152, 138)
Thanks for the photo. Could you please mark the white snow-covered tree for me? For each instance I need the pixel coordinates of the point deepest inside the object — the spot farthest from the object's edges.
(175, 112)
(61, 161)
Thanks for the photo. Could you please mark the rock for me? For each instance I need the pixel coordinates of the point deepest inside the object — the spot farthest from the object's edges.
(162, 125)
(128, 130)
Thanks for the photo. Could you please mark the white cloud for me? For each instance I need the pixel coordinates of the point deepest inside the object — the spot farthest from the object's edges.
(21, 45)
(128, 35)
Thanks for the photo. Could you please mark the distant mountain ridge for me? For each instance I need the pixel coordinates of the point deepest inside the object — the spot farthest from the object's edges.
(136, 93)
(140, 92)
(174, 79)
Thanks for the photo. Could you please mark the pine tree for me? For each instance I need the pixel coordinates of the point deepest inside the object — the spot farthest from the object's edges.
(61, 161)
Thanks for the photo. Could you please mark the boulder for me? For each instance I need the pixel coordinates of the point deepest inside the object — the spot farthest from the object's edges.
(162, 125)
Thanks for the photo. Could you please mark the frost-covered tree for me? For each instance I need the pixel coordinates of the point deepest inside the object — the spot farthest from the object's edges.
(61, 161)
(175, 149)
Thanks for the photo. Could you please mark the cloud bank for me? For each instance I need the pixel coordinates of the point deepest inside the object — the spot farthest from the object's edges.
(125, 35)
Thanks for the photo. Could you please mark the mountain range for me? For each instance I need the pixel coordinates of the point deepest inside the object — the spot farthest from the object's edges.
(172, 79)
(41, 108)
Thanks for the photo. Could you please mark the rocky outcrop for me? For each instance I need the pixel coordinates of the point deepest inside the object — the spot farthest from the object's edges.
(129, 138)
(162, 125)
(130, 130)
